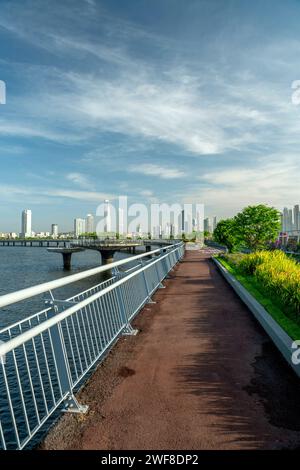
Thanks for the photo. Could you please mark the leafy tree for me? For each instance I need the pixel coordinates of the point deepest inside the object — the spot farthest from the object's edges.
(256, 226)
(88, 235)
(225, 234)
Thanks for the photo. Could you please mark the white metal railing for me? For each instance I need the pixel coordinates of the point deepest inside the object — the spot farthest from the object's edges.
(48, 354)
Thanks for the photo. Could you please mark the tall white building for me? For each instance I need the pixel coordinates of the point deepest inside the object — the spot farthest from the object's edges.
(89, 223)
(182, 221)
(54, 230)
(107, 216)
(291, 219)
(26, 230)
(79, 226)
(296, 217)
(121, 221)
(215, 222)
(207, 225)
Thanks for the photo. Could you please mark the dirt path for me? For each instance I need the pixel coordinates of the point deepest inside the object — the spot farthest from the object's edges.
(201, 374)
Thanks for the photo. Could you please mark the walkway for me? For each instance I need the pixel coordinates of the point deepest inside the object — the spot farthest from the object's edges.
(201, 374)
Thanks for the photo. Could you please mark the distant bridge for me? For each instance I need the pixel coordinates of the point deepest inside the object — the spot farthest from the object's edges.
(84, 242)
(25, 242)
(106, 246)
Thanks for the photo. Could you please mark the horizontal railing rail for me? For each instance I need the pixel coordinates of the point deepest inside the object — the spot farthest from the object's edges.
(24, 294)
(46, 356)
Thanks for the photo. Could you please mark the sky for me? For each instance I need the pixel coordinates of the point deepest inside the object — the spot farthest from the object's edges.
(165, 101)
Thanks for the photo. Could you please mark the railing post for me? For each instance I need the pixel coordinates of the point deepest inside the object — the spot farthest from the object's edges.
(149, 300)
(127, 330)
(164, 261)
(62, 365)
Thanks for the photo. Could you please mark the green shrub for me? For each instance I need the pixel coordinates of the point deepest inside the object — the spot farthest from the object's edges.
(276, 273)
(234, 259)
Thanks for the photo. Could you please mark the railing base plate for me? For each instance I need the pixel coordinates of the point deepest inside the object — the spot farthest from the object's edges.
(72, 406)
(129, 331)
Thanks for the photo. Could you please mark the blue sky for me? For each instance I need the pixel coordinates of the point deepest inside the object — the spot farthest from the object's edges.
(161, 100)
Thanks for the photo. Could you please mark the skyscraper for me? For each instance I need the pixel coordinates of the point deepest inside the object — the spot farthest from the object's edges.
(214, 222)
(89, 223)
(121, 221)
(54, 230)
(107, 215)
(285, 220)
(207, 225)
(290, 220)
(296, 217)
(79, 226)
(26, 230)
(182, 221)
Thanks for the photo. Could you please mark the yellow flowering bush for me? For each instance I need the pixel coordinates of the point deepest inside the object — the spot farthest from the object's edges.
(278, 274)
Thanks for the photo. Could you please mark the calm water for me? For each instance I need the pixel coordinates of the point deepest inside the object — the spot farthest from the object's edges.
(22, 267)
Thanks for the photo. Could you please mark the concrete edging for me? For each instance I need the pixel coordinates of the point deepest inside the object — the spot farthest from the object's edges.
(279, 337)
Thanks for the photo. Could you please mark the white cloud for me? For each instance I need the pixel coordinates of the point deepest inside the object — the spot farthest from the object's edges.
(146, 193)
(16, 128)
(150, 169)
(190, 106)
(273, 182)
(80, 180)
(93, 196)
(41, 194)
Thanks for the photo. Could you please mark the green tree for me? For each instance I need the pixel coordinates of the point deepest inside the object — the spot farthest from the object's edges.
(225, 234)
(257, 225)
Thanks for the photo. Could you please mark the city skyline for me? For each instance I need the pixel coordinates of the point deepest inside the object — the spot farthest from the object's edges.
(137, 219)
(290, 222)
(147, 101)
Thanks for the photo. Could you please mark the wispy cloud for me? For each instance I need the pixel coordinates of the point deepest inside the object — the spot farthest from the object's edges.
(99, 95)
(80, 180)
(36, 195)
(150, 169)
(139, 98)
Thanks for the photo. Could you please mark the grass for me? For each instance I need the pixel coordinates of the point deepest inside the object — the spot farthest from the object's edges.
(287, 319)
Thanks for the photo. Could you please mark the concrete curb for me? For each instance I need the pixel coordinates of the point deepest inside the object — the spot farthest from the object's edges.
(279, 337)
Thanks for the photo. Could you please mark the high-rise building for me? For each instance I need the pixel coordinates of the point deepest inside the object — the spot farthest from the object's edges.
(214, 222)
(79, 226)
(89, 223)
(54, 230)
(285, 220)
(121, 221)
(107, 215)
(182, 221)
(290, 220)
(207, 225)
(296, 217)
(26, 230)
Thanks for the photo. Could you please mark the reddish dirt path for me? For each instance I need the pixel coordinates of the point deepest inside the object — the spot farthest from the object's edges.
(201, 374)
